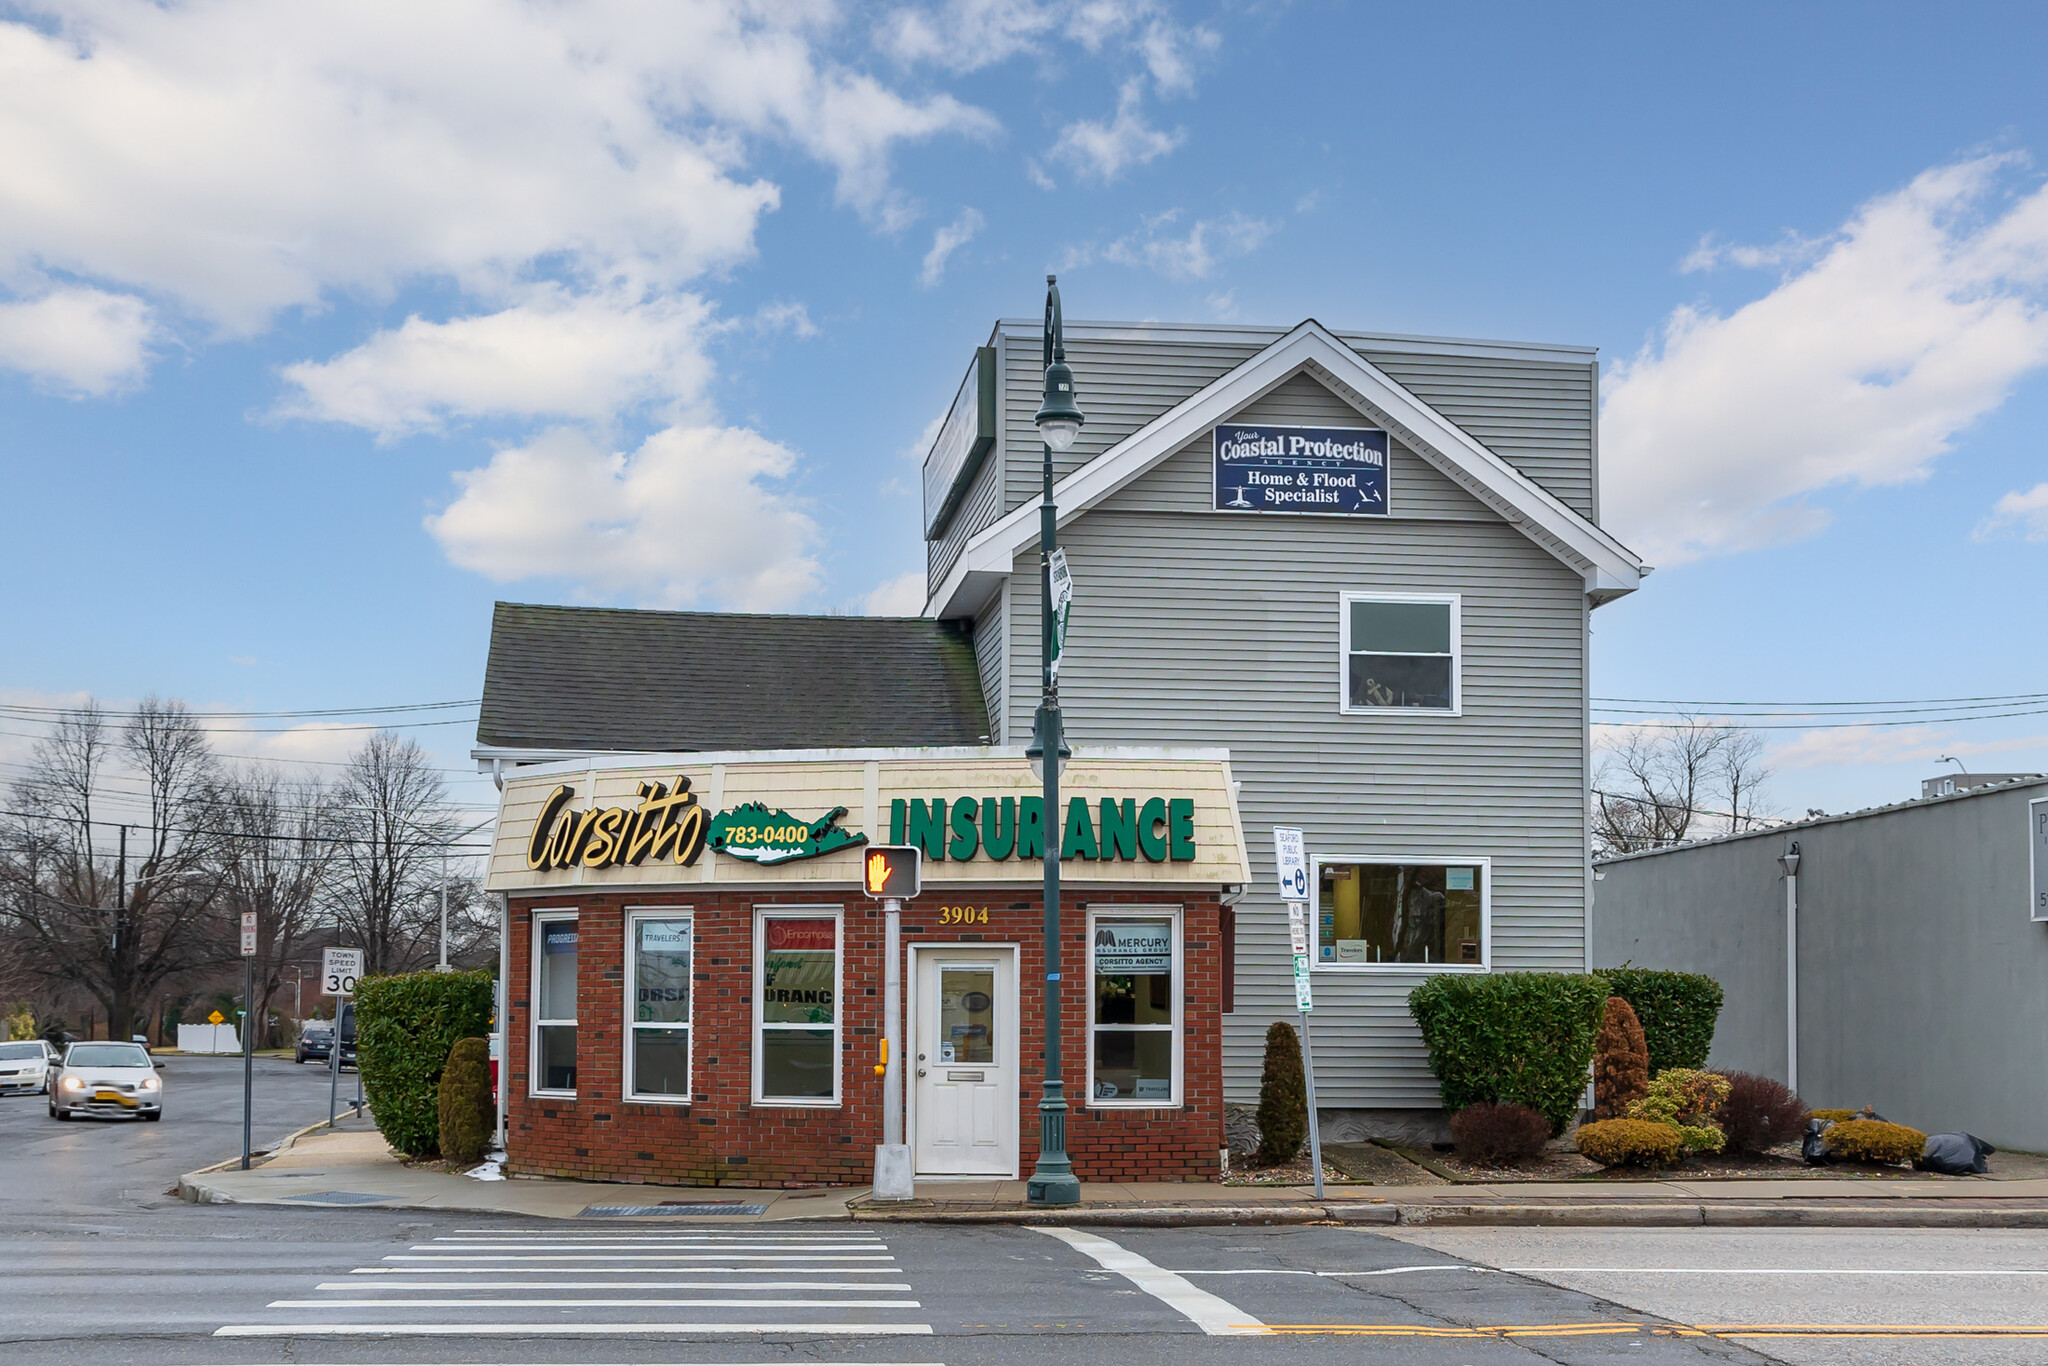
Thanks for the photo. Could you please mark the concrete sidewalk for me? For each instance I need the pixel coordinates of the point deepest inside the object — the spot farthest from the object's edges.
(350, 1166)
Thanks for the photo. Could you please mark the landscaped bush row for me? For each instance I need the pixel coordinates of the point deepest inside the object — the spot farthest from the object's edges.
(405, 1027)
(1519, 1037)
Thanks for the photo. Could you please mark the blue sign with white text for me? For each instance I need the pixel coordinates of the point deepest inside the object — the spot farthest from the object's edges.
(1301, 469)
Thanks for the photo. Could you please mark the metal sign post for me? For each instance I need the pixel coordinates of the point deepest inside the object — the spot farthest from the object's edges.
(339, 971)
(1290, 857)
(248, 1026)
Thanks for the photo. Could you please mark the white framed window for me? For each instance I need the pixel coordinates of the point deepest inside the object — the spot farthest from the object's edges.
(1134, 1008)
(1427, 913)
(660, 999)
(552, 1067)
(1400, 653)
(796, 1005)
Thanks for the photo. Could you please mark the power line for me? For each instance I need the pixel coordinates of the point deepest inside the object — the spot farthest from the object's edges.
(1836, 725)
(244, 834)
(1893, 702)
(23, 708)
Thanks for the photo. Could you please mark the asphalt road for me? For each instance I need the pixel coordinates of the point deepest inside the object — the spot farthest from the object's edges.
(49, 1166)
(103, 1269)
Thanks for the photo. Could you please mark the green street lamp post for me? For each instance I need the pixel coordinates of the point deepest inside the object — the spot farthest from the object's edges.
(1059, 422)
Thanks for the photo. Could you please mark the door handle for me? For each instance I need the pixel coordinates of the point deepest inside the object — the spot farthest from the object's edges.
(920, 1071)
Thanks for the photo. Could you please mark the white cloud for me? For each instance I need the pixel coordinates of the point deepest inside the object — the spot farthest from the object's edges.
(242, 157)
(1789, 250)
(1895, 745)
(1859, 369)
(945, 242)
(557, 355)
(968, 35)
(902, 596)
(1192, 256)
(1106, 150)
(78, 341)
(692, 516)
(2023, 511)
(788, 317)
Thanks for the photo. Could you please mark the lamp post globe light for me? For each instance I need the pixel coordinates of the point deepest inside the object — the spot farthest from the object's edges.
(1059, 422)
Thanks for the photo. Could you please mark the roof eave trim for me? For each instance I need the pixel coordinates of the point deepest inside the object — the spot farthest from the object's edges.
(1311, 347)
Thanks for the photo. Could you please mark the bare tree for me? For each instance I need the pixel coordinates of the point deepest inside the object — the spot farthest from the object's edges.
(78, 915)
(1665, 784)
(276, 856)
(392, 811)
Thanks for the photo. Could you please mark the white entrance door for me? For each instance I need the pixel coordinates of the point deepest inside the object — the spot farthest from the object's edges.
(965, 1068)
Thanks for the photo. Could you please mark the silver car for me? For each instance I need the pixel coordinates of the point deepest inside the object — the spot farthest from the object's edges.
(25, 1065)
(106, 1079)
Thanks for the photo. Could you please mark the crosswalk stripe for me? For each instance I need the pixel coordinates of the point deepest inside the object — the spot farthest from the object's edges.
(651, 1257)
(693, 1268)
(304, 1330)
(1213, 1314)
(779, 1303)
(360, 1286)
(500, 1249)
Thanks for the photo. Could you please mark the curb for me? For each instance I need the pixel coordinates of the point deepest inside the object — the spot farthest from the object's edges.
(1164, 1216)
(188, 1192)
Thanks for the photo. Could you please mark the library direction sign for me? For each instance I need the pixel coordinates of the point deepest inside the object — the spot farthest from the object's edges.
(1263, 468)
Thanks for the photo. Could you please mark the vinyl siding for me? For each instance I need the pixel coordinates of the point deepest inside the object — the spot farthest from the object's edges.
(991, 640)
(1537, 416)
(1184, 481)
(1199, 628)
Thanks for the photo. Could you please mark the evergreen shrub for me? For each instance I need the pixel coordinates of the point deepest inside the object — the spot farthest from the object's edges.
(1519, 1037)
(1499, 1135)
(467, 1107)
(1690, 1102)
(1832, 1116)
(1283, 1098)
(1760, 1113)
(1874, 1140)
(405, 1026)
(1677, 1011)
(1621, 1061)
(1629, 1143)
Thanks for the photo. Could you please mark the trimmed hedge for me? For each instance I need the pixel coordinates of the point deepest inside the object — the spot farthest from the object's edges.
(1676, 1009)
(405, 1026)
(1874, 1140)
(1283, 1097)
(1524, 1038)
(467, 1108)
(1629, 1143)
(1833, 1116)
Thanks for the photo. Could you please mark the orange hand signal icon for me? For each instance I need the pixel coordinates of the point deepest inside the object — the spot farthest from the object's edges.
(878, 872)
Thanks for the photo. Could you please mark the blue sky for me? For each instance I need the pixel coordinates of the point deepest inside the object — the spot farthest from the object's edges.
(322, 327)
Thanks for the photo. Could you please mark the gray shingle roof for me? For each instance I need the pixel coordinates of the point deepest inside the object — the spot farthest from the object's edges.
(613, 679)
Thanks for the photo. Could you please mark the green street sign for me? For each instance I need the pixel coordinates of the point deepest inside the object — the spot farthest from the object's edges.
(759, 834)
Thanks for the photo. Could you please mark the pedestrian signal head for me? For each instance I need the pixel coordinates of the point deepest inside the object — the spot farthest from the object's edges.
(892, 870)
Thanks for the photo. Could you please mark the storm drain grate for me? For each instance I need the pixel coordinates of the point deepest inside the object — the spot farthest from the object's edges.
(643, 1211)
(338, 1198)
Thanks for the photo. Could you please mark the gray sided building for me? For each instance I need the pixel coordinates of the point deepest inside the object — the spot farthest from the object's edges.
(1921, 957)
(1408, 683)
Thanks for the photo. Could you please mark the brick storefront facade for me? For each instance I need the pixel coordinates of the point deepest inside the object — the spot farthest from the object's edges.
(722, 1138)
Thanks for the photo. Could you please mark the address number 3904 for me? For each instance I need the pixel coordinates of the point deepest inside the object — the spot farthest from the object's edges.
(963, 915)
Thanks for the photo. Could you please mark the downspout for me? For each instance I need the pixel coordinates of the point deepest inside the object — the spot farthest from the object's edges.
(1789, 861)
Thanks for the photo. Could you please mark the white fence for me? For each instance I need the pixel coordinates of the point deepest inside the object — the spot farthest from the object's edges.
(208, 1038)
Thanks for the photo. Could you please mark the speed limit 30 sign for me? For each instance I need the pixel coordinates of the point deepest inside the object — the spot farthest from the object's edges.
(339, 969)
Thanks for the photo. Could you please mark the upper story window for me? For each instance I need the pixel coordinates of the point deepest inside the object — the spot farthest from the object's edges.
(1400, 652)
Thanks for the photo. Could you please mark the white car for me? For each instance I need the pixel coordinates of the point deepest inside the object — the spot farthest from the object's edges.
(25, 1066)
(106, 1079)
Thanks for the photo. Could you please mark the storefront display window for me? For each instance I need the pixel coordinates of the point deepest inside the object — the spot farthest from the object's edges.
(554, 1014)
(1134, 1010)
(797, 1008)
(1371, 914)
(659, 946)
(1400, 653)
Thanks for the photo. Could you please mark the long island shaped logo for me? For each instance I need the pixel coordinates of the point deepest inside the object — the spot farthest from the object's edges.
(759, 834)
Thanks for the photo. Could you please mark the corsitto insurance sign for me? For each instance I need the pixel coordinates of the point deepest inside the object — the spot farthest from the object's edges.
(1301, 469)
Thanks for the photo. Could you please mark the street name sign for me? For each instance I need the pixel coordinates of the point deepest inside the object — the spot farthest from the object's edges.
(339, 971)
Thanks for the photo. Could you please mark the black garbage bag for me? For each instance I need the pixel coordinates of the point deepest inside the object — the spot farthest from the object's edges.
(1954, 1155)
(1814, 1146)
